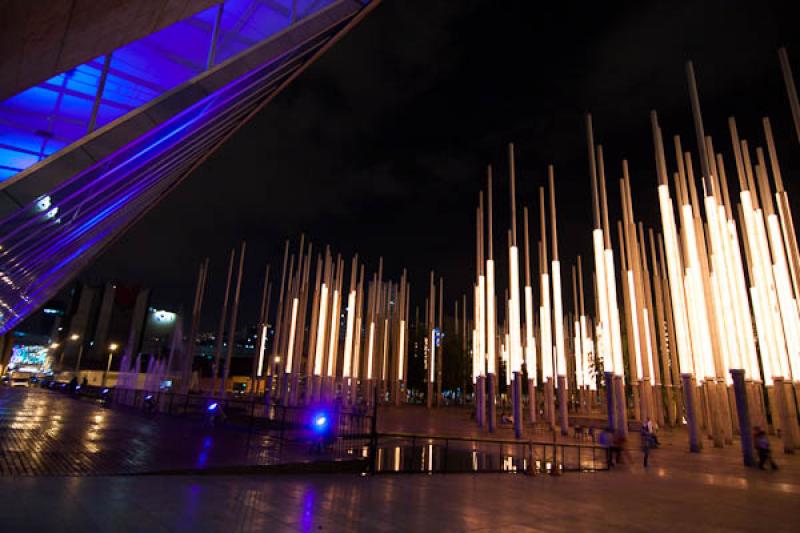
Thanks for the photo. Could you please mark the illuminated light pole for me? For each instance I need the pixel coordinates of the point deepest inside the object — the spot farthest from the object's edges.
(329, 384)
(654, 355)
(577, 345)
(715, 351)
(791, 90)
(545, 321)
(273, 365)
(320, 348)
(289, 365)
(771, 341)
(440, 335)
(111, 349)
(261, 344)
(221, 329)
(635, 308)
(530, 340)
(349, 332)
(585, 344)
(601, 301)
(676, 286)
(491, 323)
(400, 311)
(558, 318)
(479, 355)
(613, 329)
(357, 343)
(232, 327)
(789, 350)
(431, 343)
(631, 326)
(514, 335)
(74, 338)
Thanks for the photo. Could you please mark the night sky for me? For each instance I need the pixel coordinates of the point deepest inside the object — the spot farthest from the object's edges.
(381, 147)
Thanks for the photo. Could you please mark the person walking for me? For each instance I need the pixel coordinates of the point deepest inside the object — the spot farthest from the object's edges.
(647, 443)
(652, 428)
(606, 440)
(762, 447)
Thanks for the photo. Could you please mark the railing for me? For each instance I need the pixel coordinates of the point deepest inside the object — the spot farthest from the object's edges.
(409, 453)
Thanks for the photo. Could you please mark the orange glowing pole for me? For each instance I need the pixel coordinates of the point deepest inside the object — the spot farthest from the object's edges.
(545, 322)
(680, 318)
(491, 323)
(234, 315)
(312, 332)
(530, 339)
(791, 90)
(602, 301)
(558, 314)
(431, 356)
(513, 318)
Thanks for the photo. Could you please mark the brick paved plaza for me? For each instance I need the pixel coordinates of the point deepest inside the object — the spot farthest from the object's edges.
(50, 442)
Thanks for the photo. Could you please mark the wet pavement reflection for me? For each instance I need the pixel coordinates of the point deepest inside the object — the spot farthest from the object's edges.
(46, 433)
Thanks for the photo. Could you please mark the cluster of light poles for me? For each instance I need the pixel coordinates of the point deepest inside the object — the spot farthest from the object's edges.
(707, 307)
(335, 336)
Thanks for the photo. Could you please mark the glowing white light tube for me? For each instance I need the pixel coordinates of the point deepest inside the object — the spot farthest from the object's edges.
(348, 334)
(292, 331)
(321, 320)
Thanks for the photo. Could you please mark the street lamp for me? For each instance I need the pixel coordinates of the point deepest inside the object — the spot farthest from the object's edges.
(111, 349)
(53, 347)
(74, 338)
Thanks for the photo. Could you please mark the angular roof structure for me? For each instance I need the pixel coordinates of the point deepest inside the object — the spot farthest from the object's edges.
(88, 152)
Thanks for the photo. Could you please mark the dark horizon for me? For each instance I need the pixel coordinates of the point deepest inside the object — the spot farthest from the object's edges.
(381, 147)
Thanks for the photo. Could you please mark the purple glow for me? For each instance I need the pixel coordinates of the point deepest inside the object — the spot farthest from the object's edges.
(38, 255)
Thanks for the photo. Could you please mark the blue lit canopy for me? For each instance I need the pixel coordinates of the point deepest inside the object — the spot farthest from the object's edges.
(160, 114)
(42, 120)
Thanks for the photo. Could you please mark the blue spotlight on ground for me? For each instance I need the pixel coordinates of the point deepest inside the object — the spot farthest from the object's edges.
(105, 391)
(213, 407)
(148, 397)
(320, 423)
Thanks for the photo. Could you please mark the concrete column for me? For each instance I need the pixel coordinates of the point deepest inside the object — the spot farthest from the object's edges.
(316, 389)
(644, 400)
(353, 391)
(636, 387)
(517, 404)
(268, 391)
(532, 411)
(429, 395)
(791, 406)
(781, 409)
(609, 379)
(550, 403)
(480, 401)
(671, 415)
(294, 386)
(725, 411)
(776, 419)
(743, 414)
(621, 417)
(490, 402)
(690, 401)
(370, 388)
(562, 404)
(658, 402)
(284, 389)
(714, 412)
(731, 394)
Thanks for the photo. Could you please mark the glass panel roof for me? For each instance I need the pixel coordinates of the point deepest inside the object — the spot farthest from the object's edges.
(42, 120)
